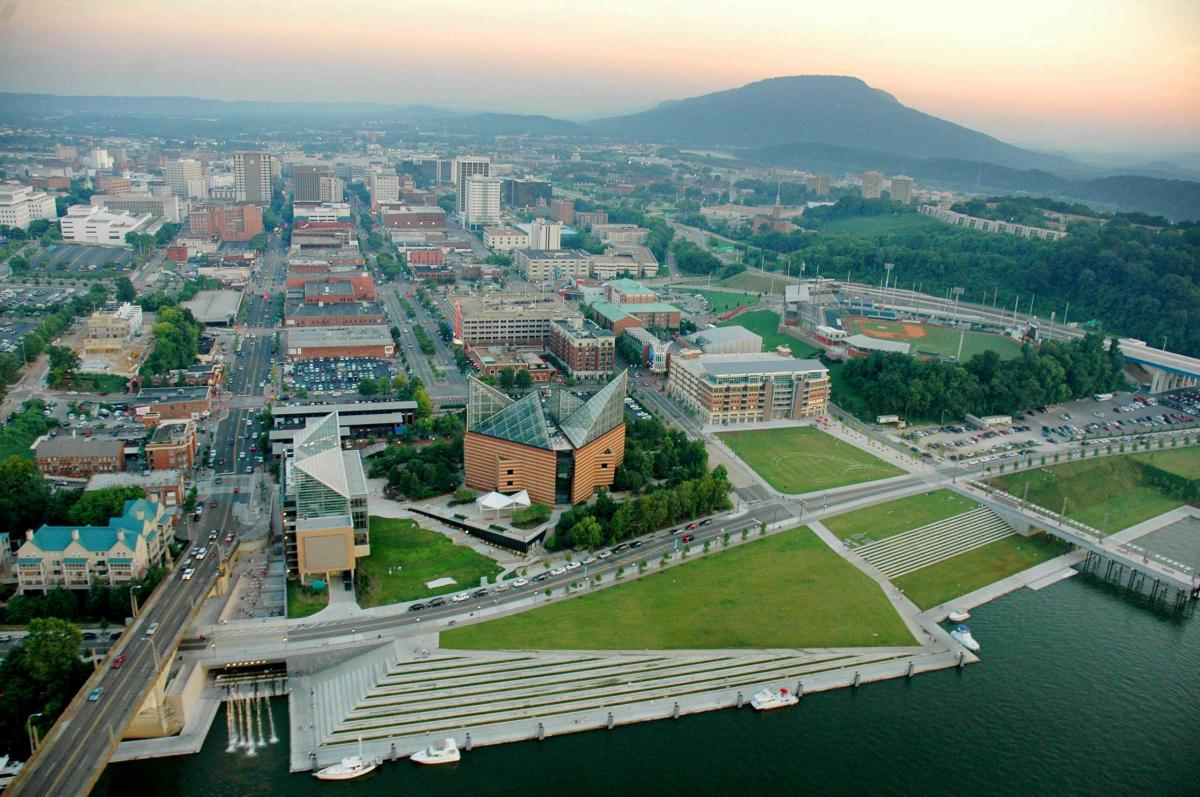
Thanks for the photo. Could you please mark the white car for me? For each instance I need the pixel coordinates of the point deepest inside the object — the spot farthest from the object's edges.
(572, 565)
(200, 553)
(187, 574)
(604, 554)
(460, 597)
(587, 560)
(558, 571)
(520, 582)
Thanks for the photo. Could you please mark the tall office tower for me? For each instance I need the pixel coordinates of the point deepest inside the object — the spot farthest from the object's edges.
(481, 201)
(902, 188)
(465, 168)
(545, 234)
(317, 184)
(872, 185)
(563, 210)
(384, 187)
(817, 184)
(252, 177)
(185, 177)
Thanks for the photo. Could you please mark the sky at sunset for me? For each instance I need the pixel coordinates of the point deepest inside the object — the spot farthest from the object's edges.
(1116, 74)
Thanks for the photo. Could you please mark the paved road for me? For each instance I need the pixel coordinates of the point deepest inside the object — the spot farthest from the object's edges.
(72, 757)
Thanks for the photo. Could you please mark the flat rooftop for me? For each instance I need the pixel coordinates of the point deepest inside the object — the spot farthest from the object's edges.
(155, 478)
(214, 307)
(316, 288)
(171, 432)
(159, 395)
(298, 309)
(364, 335)
(746, 364)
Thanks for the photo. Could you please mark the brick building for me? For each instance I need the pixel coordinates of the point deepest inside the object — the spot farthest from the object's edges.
(172, 446)
(227, 222)
(79, 457)
(584, 349)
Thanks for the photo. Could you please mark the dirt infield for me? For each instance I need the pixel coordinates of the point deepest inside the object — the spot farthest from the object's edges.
(888, 330)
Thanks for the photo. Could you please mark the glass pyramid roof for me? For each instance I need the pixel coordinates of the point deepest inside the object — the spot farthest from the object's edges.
(601, 413)
(483, 401)
(521, 422)
(562, 403)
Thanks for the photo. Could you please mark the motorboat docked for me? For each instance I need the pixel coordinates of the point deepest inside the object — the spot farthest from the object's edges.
(348, 768)
(443, 752)
(962, 633)
(769, 699)
(959, 616)
(9, 770)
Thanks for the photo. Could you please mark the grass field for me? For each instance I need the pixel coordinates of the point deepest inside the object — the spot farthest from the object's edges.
(883, 520)
(802, 459)
(786, 591)
(723, 301)
(1094, 489)
(415, 555)
(967, 572)
(754, 281)
(300, 604)
(1183, 462)
(765, 323)
(870, 226)
(935, 341)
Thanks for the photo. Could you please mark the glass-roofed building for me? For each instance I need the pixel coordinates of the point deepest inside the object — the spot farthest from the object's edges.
(324, 504)
(560, 448)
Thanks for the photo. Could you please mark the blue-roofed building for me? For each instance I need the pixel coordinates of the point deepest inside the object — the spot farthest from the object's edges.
(77, 557)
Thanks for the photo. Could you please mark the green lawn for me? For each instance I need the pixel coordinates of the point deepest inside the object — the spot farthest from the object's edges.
(786, 591)
(1183, 462)
(301, 604)
(870, 226)
(943, 342)
(1095, 490)
(967, 572)
(754, 281)
(883, 520)
(415, 555)
(802, 459)
(765, 323)
(723, 301)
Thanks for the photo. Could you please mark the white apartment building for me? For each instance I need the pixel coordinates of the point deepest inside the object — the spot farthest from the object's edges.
(384, 187)
(722, 389)
(545, 235)
(185, 178)
(481, 205)
(85, 224)
(872, 185)
(463, 168)
(21, 204)
(902, 188)
(505, 239)
(99, 159)
(559, 264)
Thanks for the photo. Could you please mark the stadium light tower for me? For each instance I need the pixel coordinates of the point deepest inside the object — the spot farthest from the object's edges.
(887, 268)
(956, 292)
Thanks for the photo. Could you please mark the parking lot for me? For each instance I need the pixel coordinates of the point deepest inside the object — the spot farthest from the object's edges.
(35, 300)
(334, 375)
(11, 332)
(77, 259)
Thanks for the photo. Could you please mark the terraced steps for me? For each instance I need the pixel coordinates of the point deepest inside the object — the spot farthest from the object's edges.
(912, 550)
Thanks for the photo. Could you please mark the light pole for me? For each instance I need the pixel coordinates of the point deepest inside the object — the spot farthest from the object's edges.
(132, 600)
(30, 731)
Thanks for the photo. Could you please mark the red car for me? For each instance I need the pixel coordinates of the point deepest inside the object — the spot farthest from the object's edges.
(689, 537)
(693, 526)
(118, 661)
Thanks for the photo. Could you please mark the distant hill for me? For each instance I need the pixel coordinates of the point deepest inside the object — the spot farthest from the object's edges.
(1178, 200)
(820, 109)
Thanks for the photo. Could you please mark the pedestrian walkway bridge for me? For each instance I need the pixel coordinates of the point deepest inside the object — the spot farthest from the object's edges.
(904, 553)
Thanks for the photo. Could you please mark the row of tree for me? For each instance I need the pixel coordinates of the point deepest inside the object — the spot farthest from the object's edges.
(692, 259)
(654, 452)
(420, 472)
(985, 384)
(100, 604)
(39, 676)
(605, 522)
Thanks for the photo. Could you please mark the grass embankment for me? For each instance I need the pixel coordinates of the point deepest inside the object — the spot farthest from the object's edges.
(1183, 462)
(765, 324)
(871, 226)
(883, 520)
(303, 604)
(1095, 490)
(803, 459)
(967, 572)
(415, 555)
(754, 281)
(723, 302)
(789, 590)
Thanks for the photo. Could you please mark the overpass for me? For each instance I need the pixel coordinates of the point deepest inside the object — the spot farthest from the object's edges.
(79, 745)
(1168, 370)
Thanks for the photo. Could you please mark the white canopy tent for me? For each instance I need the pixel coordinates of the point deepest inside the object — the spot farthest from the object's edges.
(499, 502)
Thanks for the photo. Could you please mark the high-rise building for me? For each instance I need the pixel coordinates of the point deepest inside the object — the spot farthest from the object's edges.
(463, 169)
(902, 188)
(317, 184)
(384, 187)
(872, 186)
(185, 178)
(545, 235)
(227, 222)
(481, 201)
(99, 158)
(526, 193)
(563, 210)
(817, 184)
(252, 177)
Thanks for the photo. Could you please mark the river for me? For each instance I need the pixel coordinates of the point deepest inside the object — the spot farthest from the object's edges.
(1081, 690)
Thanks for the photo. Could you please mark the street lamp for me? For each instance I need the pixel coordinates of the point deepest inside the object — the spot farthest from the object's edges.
(133, 601)
(29, 731)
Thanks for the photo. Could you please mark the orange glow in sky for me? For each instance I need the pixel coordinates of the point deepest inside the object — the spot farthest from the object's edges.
(1112, 74)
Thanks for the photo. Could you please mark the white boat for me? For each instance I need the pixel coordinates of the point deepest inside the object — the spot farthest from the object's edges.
(348, 768)
(963, 634)
(443, 752)
(769, 699)
(8, 770)
(959, 616)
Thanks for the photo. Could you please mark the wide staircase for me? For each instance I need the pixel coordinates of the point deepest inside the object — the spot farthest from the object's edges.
(912, 550)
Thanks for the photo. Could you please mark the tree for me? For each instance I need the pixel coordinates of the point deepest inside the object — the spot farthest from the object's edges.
(424, 404)
(125, 289)
(64, 364)
(507, 377)
(23, 495)
(522, 380)
(368, 387)
(97, 507)
(259, 242)
(189, 503)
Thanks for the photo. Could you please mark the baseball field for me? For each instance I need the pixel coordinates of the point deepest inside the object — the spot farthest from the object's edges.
(932, 340)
